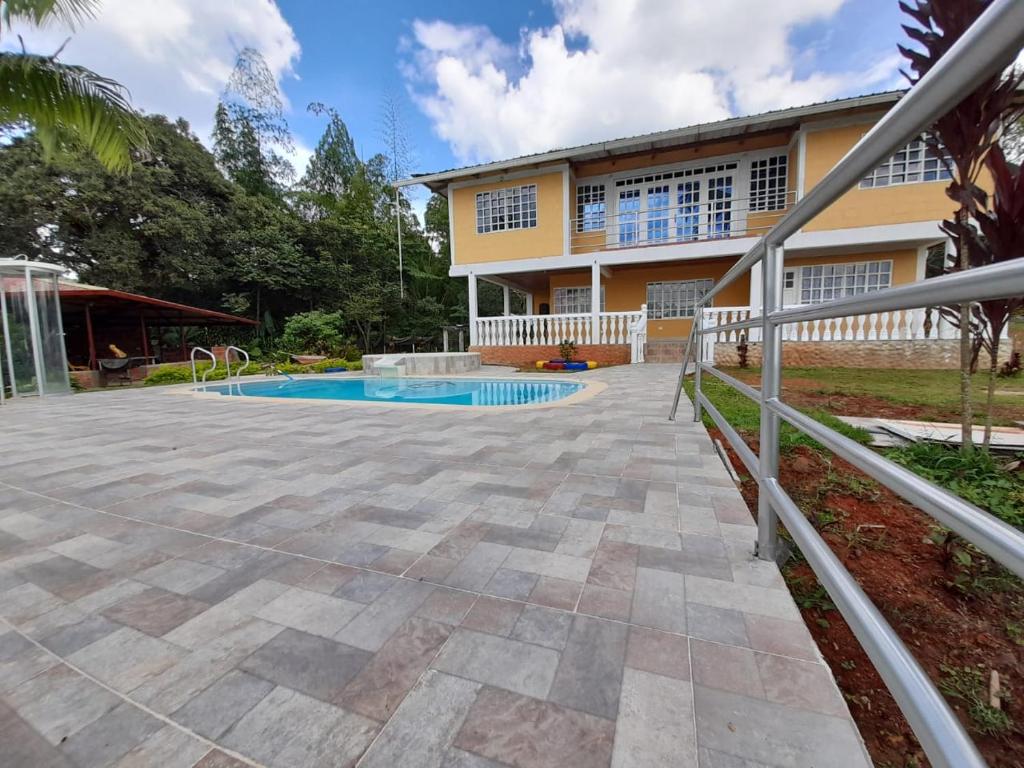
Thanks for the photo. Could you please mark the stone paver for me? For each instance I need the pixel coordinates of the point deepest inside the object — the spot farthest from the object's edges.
(346, 585)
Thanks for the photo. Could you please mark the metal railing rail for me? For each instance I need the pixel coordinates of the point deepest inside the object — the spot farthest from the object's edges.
(208, 371)
(238, 372)
(982, 51)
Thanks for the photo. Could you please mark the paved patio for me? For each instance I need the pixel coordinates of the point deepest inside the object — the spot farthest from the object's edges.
(195, 582)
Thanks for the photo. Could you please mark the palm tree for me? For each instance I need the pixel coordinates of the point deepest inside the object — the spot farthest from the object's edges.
(62, 103)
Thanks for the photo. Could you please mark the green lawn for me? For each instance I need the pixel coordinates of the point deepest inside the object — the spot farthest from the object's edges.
(937, 393)
(744, 415)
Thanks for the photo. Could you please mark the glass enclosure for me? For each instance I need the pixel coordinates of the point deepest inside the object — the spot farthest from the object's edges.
(32, 354)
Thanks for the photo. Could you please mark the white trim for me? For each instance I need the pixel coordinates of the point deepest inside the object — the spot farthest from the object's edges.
(798, 277)
(814, 126)
(473, 311)
(506, 301)
(511, 176)
(566, 213)
(595, 302)
(801, 163)
(451, 226)
(897, 235)
(730, 127)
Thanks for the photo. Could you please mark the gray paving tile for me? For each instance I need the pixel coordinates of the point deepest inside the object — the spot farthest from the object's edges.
(69, 639)
(590, 670)
(313, 665)
(60, 702)
(659, 600)
(365, 586)
(376, 623)
(290, 730)
(106, 740)
(167, 748)
(655, 723)
(746, 727)
(310, 611)
(217, 708)
(510, 664)
(181, 576)
(515, 585)
(23, 746)
(425, 724)
(127, 658)
(543, 626)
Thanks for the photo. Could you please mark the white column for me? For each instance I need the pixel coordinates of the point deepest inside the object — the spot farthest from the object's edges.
(529, 303)
(755, 288)
(472, 308)
(595, 303)
(507, 298)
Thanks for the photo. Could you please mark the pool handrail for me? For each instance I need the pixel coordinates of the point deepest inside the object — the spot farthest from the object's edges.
(208, 371)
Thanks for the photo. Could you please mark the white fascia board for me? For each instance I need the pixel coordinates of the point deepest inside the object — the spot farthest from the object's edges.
(897, 235)
(689, 134)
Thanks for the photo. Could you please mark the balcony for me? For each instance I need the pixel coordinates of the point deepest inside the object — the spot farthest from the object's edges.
(610, 328)
(688, 221)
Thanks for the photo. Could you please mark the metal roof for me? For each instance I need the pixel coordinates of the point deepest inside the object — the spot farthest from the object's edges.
(719, 129)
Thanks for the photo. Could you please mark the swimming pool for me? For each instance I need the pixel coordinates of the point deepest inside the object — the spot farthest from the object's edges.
(477, 392)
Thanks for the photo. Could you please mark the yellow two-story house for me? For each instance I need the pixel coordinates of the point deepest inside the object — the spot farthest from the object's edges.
(614, 243)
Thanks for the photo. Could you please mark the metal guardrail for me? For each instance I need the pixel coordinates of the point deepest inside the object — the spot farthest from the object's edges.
(988, 46)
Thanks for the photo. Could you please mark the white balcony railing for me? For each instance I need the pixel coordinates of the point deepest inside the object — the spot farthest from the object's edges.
(898, 325)
(527, 330)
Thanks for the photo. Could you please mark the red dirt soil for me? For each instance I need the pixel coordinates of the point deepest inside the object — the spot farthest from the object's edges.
(884, 542)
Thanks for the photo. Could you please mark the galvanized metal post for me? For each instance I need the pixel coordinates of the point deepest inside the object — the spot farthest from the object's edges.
(771, 379)
(698, 358)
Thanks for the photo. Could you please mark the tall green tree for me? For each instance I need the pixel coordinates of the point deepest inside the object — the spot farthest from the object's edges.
(334, 162)
(64, 104)
(251, 137)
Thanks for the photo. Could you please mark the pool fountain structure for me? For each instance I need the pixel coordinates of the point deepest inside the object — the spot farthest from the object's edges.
(421, 364)
(33, 361)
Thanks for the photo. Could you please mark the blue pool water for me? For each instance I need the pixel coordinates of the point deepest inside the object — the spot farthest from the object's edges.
(429, 391)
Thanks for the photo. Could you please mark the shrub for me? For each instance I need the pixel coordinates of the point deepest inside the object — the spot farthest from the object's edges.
(567, 350)
(181, 374)
(314, 332)
(323, 365)
(978, 477)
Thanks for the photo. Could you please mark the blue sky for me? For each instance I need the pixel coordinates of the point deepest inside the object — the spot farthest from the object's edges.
(484, 80)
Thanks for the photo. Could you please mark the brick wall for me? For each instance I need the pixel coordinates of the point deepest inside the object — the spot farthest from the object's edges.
(922, 355)
(605, 354)
(919, 355)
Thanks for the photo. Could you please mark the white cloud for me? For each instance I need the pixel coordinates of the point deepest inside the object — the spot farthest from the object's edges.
(611, 68)
(174, 56)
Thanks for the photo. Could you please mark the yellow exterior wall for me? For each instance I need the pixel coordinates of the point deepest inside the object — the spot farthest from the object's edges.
(626, 290)
(546, 239)
(898, 204)
(904, 262)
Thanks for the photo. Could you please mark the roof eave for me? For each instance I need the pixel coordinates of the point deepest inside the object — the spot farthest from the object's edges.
(701, 132)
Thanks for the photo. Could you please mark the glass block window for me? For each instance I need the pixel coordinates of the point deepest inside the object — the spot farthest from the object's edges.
(590, 207)
(657, 212)
(768, 183)
(503, 209)
(688, 210)
(914, 163)
(825, 282)
(675, 298)
(574, 300)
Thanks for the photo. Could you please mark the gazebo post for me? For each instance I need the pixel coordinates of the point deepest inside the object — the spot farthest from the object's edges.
(93, 365)
(181, 334)
(145, 336)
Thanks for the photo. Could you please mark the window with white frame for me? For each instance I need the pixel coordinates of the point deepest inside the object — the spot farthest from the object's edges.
(675, 298)
(912, 164)
(590, 207)
(657, 212)
(688, 210)
(574, 299)
(825, 282)
(768, 183)
(503, 209)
